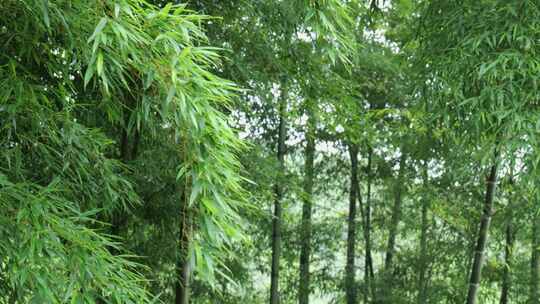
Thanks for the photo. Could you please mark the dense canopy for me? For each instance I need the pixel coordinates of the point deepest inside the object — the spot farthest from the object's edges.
(299, 151)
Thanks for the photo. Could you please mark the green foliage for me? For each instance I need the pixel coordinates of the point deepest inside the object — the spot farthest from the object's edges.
(486, 63)
(51, 254)
(120, 161)
(74, 75)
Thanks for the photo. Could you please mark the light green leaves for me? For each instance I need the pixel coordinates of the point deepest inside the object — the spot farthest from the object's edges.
(99, 28)
(99, 64)
(45, 10)
(333, 23)
(53, 256)
(107, 65)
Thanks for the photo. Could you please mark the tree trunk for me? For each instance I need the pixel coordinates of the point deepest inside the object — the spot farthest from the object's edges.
(276, 221)
(183, 268)
(508, 249)
(350, 284)
(368, 261)
(182, 285)
(506, 282)
(394, 222)
(128, 152)
(422, 284)
(535, 262)
(476, 269)
(305, 251)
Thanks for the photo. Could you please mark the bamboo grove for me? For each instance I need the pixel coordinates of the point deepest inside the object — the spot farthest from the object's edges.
(249, 151)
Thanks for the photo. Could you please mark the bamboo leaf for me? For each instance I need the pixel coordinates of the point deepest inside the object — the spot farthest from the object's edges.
(100, 26)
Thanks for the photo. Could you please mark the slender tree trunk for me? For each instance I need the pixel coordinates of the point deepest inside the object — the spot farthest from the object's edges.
(508, 249)
(485, 221)
(422, 284)
(350, 284)
(506, 282)
(276, 221)
(534, 297)
(129, 142)
(305, 250)
(394, 222)
(182, 285)
(118, 215)
(183, 269)
(368, 261)
(128, 152)
(136, 143)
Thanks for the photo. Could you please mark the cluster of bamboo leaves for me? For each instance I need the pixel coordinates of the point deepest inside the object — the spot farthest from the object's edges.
(376, 132)
(73, 72)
